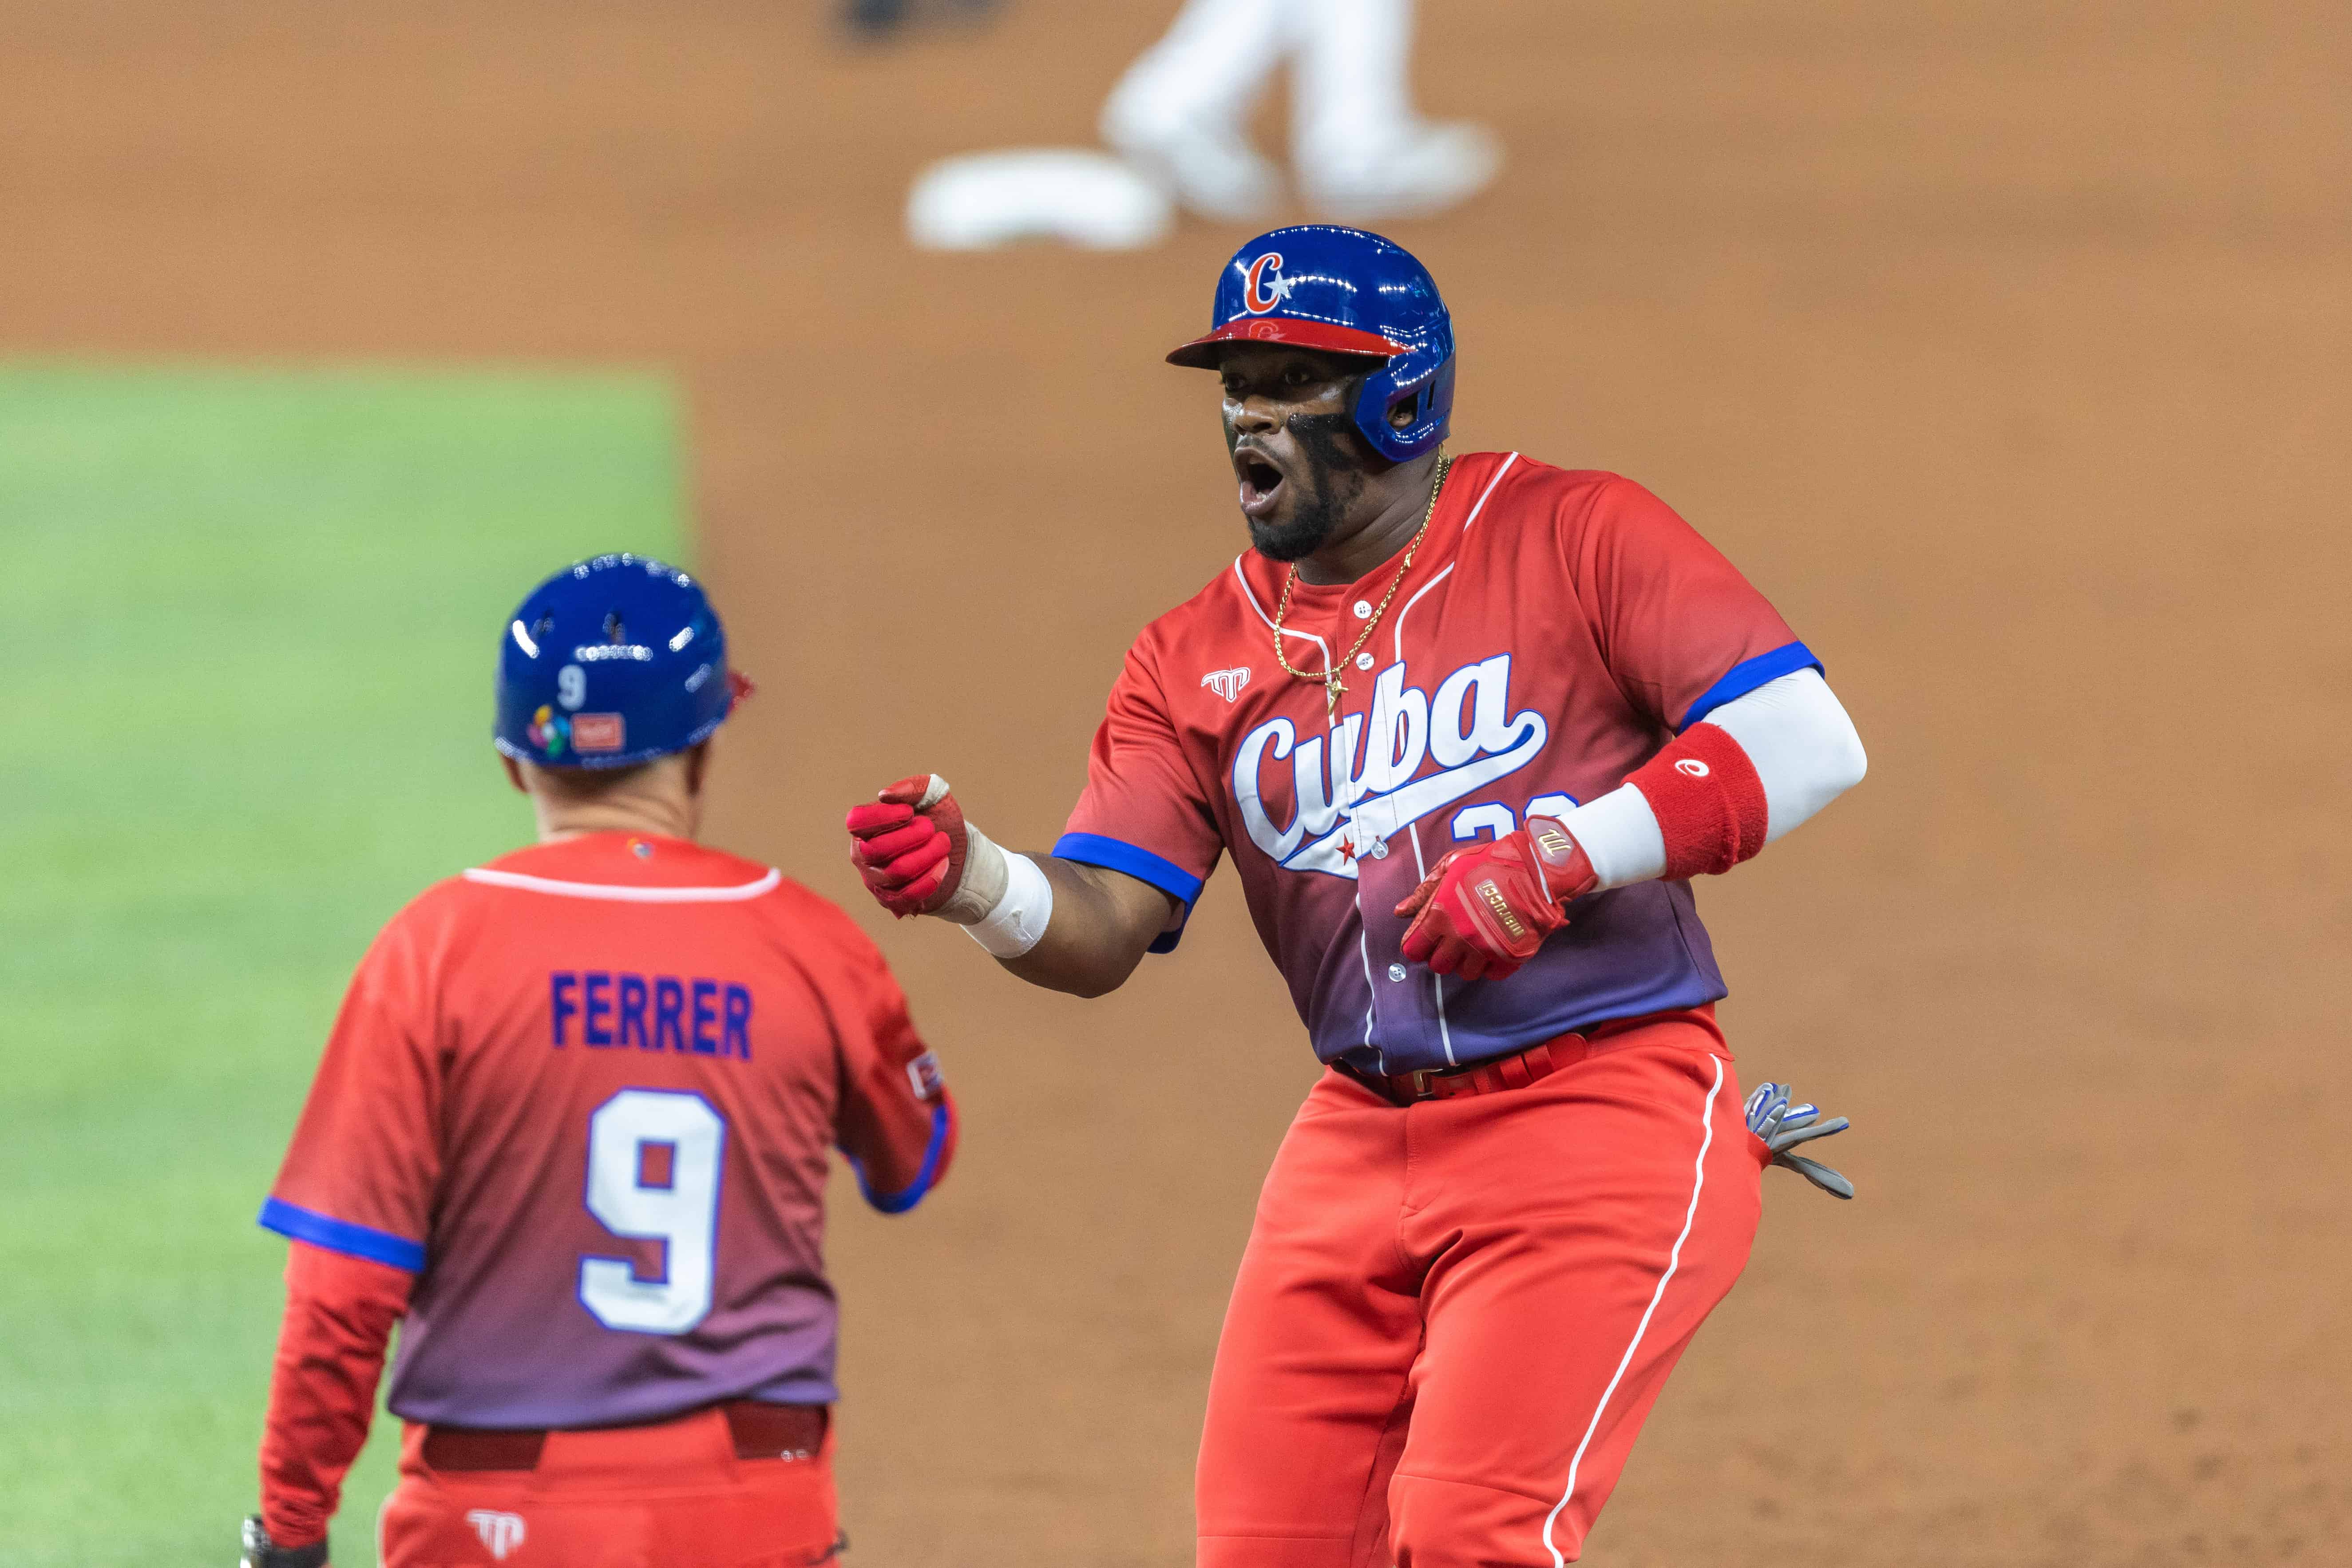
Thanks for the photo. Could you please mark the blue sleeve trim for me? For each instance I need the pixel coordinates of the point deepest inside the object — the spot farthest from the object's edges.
(1747, 676)
(343, 1236)
(899, 1203)
(1117, 855)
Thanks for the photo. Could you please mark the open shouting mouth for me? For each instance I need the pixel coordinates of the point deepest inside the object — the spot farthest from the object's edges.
(1261, 481)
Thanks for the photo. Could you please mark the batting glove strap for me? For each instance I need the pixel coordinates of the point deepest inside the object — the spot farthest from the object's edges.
(1483, 911)
(260, 1552)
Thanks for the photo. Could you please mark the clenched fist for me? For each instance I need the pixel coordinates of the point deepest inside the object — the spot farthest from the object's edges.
(1482, 912)
(910, 846)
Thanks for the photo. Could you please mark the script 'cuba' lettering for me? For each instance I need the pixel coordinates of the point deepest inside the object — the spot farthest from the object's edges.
(1468, 730)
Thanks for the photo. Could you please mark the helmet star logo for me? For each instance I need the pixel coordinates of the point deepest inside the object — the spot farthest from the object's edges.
(1263, 287)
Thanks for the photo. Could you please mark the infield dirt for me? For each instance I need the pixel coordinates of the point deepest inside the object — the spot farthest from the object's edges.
(2007, 347)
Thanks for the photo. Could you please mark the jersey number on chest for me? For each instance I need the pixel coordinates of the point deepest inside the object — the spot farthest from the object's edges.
(654, 1160)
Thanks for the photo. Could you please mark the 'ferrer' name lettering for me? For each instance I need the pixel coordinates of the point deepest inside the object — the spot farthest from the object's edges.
(650, 1013)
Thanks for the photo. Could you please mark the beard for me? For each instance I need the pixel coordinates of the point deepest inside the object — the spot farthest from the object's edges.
(1324, 495)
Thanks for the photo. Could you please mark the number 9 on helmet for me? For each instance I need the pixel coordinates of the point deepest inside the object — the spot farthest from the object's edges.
(611, 662)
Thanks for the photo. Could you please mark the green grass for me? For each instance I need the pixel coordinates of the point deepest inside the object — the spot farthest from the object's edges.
(250, 624)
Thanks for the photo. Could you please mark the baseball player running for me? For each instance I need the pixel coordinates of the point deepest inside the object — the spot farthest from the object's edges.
(570, 1133)
(1468, 728)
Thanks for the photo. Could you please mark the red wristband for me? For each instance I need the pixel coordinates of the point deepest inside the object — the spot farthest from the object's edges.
(1707, 799)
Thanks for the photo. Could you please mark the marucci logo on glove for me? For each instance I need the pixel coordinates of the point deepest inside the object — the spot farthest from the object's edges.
(1512, 925)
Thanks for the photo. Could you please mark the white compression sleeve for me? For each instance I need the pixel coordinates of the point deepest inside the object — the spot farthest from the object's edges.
(1796, 733)
(1802, 744)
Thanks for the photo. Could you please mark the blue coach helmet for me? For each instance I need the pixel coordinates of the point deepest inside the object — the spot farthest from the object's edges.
(611, 662)
(1345, 291)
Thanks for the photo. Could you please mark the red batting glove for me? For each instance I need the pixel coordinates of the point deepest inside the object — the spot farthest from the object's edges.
(909, 846)
(1483, 911)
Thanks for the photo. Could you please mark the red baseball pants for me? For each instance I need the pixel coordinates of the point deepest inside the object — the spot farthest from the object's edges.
(637, 1497)
(1451, 1318)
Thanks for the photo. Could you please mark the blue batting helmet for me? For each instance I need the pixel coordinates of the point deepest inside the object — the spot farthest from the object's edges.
(611, 662)
(1343, 290)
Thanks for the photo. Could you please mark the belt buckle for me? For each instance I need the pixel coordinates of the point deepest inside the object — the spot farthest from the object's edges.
(1420, 1076)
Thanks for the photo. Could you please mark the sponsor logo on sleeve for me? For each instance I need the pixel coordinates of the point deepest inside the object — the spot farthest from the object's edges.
(923, 1072)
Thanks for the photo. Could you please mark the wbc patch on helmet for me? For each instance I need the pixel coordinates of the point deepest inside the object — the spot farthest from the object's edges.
(549, 730)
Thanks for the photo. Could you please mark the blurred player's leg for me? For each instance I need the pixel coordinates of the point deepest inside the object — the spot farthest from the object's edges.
(1180, 110)
(1306, 1406)
(1361, 150)
(876, 20)
(874, 17)
(1582, 1228)
(678, 1492)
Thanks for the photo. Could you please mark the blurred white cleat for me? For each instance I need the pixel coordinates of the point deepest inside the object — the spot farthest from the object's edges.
(1214, 171)
(1423, 168)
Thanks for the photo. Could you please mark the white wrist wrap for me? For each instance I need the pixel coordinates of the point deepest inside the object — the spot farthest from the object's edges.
(982, 885)
(1018, 922)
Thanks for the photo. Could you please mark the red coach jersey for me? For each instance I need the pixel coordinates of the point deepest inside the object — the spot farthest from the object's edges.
(1556, 630)
(586, 1093)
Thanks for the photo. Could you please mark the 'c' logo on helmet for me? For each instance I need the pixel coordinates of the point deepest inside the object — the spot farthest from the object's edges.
(1256, 297)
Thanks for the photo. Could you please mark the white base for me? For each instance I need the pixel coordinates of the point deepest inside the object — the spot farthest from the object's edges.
(986, 200)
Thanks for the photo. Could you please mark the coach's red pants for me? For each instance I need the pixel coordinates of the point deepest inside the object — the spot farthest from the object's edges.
(1451, 1318)
(671, 1496)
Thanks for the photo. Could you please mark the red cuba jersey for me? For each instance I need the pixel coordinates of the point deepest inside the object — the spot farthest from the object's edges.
(586, 1094)
(1556, 630)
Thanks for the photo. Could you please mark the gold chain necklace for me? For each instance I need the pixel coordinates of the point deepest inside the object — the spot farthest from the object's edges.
(1329, 676)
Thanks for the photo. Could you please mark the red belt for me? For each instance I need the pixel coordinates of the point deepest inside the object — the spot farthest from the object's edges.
(1492, 1076)
(759, 1431)
(1519, 1068)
